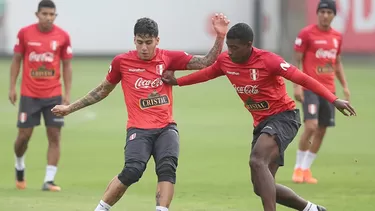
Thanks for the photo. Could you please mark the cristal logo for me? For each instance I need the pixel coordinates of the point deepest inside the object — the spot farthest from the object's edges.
(43, 57)
(141, 83)
(326, 54)
(248, 89)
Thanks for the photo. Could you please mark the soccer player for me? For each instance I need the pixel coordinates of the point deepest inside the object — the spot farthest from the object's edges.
(41, 47)
(318, 48)
(257, 77)
(151, 129)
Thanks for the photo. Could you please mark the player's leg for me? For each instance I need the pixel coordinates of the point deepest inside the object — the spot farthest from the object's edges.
(264, 152)
(278, 133)
(138, 151)
(53, 130)
(326, 119)
(288, 198)
(166, 152)
(310, 113)
(271, 138)
(28, 118)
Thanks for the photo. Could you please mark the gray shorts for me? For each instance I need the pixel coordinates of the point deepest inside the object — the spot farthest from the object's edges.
(316, 107)
(284, 126)
(160, 143)
(31, 109)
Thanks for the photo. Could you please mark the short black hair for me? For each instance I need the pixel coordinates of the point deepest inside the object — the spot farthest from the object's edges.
(46, 4)
(241, 31)
(146, 27)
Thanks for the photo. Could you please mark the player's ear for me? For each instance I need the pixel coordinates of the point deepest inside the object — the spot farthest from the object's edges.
(134, 40)
(157, 40)
(249, 44)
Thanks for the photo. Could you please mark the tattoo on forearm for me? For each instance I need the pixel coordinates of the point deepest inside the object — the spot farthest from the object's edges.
(199, 62)
(94, 96)
(158, 199)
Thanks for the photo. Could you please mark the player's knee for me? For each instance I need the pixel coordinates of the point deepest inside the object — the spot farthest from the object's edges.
(257, 162)
(24, 135)
(311, 126)
(131, 173)
(53, 135)
(166, 169)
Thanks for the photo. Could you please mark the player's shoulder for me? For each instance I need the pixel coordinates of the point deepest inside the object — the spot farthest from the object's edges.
(30, 27)
(128, 56)
(308, 29)
(121, 56)
(61, 30)
(267, 57)
(336, 32)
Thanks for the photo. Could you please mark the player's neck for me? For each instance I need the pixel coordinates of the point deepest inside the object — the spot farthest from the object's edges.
(44, 29)
(324, 28)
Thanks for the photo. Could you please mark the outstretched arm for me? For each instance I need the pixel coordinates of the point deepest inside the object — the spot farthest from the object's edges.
(94, 96)
(300, 78)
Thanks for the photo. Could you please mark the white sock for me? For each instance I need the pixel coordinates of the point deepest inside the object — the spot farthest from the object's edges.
(50, 173)
(160, 208)
(102, 206)
(300, 157)
(20, 163)
(309, 159)
(311, 207)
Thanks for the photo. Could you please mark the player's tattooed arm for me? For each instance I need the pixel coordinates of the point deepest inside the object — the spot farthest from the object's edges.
(94, 96)
(200, 62)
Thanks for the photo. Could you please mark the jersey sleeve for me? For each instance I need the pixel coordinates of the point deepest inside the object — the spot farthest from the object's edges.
(114, 73)
(279, 67)
(66, 50)
(203, 75)
(19, 47)
(178, 60)
(302, 41)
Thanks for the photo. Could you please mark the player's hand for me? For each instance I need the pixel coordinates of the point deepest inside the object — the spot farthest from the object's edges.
(169, 78)
(298, 93)
(13, 96)
(220, 24)
(343, 105)
(66, 99)
(347, 94)
(61, 110)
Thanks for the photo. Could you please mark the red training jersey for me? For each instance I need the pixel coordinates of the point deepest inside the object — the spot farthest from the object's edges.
(320, 50)
(148, 100)
(259, 82)
(42, 52)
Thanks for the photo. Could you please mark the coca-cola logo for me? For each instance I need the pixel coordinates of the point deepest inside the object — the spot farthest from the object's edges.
(248, 89)
(326, 54)
(43, 57)
(142, 83)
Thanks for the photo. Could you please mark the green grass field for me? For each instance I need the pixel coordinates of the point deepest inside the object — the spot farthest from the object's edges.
(213, 171)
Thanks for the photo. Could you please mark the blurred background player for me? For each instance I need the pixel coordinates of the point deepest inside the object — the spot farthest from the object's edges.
(41, 46)
(151, 130)
(256, 76)
(317, 48)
